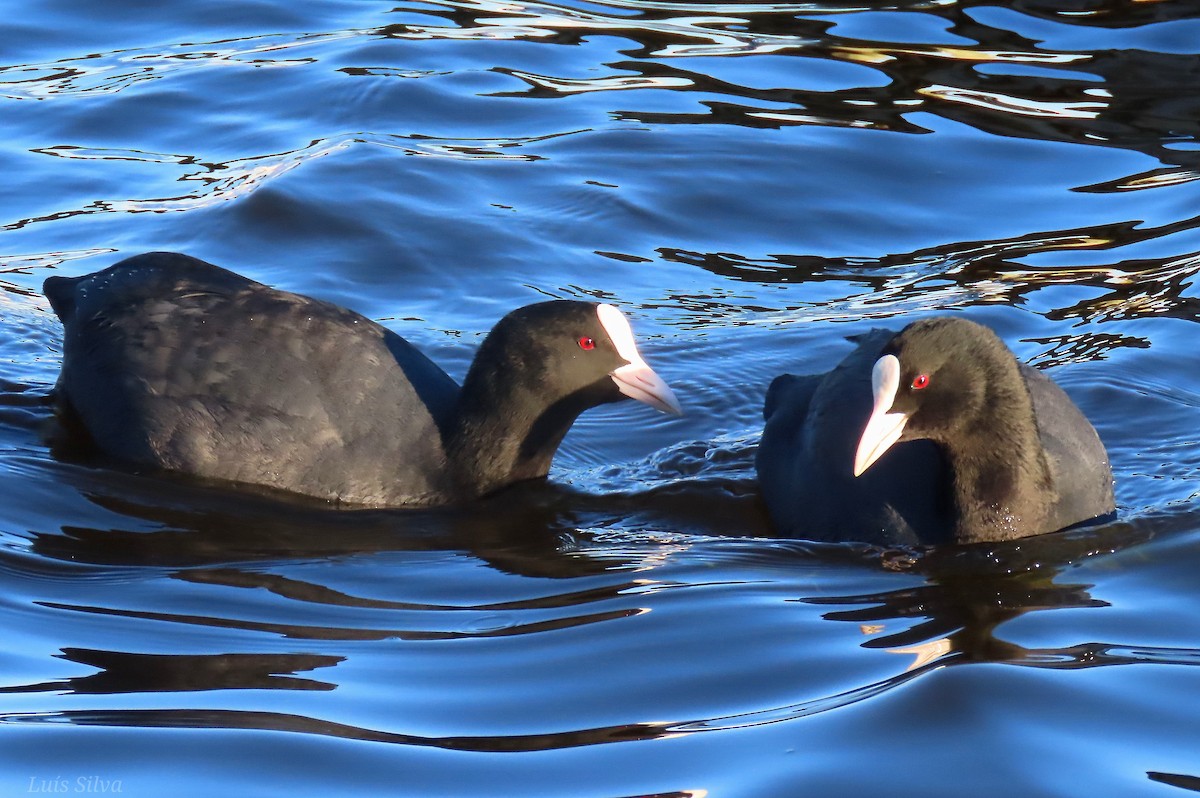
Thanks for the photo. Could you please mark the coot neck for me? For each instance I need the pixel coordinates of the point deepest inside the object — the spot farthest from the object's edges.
(505, 430)
(999, 470)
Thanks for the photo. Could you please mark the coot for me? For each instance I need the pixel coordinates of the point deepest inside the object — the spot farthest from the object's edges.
(178, 364)
(992, 449)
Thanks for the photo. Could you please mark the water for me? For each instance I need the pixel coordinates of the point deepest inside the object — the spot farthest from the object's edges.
(751, 182)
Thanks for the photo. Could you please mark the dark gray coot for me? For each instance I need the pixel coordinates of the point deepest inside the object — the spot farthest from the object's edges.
(992, 449)
(174, 363)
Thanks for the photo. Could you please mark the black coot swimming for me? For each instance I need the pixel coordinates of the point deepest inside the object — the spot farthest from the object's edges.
(935, 434)
(178, 364)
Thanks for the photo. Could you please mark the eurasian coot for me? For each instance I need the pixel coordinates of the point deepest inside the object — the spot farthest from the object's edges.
(174, 363)
(993, 450)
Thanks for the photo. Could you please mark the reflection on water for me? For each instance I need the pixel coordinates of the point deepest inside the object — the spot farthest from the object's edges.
(118, 70)
(988, 271)
(124, 672)
(1002, 75)
(951, 617)
(222, 182)
(994, 79)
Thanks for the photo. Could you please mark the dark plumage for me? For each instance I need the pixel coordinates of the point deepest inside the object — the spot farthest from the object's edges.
(172, 362)
(993, 450)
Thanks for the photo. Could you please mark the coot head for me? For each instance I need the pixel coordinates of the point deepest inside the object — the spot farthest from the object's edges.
(563, 348)
(947, 380)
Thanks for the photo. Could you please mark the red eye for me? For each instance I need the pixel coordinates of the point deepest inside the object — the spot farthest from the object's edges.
(920, 381)
(587, 344)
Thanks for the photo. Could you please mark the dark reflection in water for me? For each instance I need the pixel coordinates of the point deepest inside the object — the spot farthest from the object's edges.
(950, 619)
(522, 530)
(988, 272)
(1176, 780)
(1011, 83)
(972, 590)
(517, 532)
(1130, 99)
(124, 672)
(974, 610)
(996, 80)
(278, 721)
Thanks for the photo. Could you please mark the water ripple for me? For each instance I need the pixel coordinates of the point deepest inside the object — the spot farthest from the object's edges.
(115, 71)
(963, 273)
(230, 180)
(567, 86)
(1083, 656)
(312, 632)
(27, 265)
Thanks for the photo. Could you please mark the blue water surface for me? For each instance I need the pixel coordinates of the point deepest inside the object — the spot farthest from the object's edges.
(752, 183)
